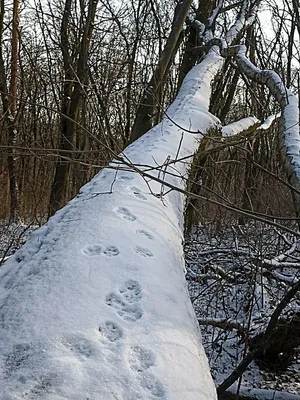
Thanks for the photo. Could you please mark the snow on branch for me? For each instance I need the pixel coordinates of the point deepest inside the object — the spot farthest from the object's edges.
(269, 121)
(245, 18)
(239, 126)
(225, 324)
(289, 111)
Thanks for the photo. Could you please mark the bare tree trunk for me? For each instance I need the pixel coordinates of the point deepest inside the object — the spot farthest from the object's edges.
(14, 58)
(9, 105)
(76, 79)
(147, 108)
(190, 58)
(66, 136)
(296, 7)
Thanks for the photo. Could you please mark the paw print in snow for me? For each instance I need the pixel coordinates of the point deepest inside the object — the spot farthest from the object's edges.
(126, 214)
(111, 251)
(145, 234)
(137, 192)
(93, 250)
(111, 331)
(131, 291)
(129, 312)
(141, 359)
(143, 252)
(96, 250)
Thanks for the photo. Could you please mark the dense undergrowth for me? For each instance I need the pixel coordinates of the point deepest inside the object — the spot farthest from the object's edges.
(236, 278)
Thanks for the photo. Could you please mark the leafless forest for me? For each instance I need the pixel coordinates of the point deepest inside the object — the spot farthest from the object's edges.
(80, 80)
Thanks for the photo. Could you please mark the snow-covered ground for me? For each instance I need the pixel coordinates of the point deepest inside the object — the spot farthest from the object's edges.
(234, 295)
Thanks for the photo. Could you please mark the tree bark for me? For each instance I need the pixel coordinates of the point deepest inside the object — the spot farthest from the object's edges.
(190, 58)
(76, 78)
(150, 99)
(9, 108)
(14, 58)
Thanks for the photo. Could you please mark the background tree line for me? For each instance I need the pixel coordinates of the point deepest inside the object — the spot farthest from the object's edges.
(80, 80)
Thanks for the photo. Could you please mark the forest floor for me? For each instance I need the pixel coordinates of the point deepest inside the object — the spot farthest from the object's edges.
(236, 278)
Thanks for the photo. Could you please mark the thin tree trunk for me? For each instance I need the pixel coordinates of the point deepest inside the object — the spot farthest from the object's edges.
(9, 107)
(150, 99)
(14, 58)
(76, 79)
(58, 188)
(190, 58)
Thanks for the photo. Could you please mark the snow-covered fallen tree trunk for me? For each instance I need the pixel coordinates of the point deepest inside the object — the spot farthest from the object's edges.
(95, 305)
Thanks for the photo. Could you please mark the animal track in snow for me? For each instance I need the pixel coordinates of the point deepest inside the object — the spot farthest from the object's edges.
(145, 233)
(126, 214)
(142, 251)
(111, 251)
(93, 250)
(141, 359)
(129, 312)
(43, 385)
(96, 250)
(95, 183)
(137, 192)
(151, 384)
(131, 291)
(103, 174)
(17, 358)
(125, 178)
(111, 331)
(151, 148)
(80, 345)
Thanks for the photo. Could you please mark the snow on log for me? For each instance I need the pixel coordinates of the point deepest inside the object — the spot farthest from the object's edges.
(95, 304)
(269, 121)
(240, 126)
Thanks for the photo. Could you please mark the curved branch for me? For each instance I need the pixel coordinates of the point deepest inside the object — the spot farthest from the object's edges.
(290, 138)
